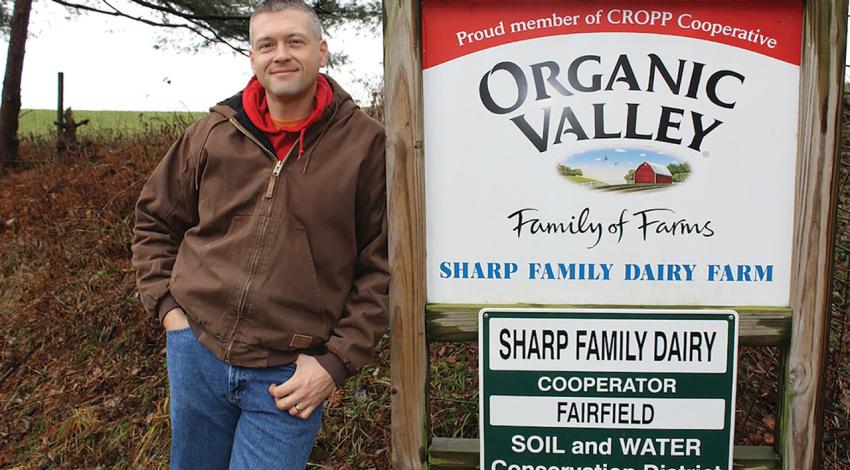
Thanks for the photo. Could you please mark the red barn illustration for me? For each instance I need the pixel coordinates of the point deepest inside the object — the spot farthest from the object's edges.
(652, 173)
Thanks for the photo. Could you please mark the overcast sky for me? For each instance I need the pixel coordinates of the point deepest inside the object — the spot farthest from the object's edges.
(111, 63)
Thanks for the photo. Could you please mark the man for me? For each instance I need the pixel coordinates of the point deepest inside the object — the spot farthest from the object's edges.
(260, 243)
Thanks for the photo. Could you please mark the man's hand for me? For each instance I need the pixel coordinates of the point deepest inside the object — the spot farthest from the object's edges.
(305, 390)
(175, 319)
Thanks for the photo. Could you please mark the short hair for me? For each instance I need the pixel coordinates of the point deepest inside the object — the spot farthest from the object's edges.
(273, 6)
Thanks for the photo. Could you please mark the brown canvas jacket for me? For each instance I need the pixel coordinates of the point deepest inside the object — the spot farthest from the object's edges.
(269, 259)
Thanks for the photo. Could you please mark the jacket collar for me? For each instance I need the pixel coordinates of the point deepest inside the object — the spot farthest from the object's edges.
(341, 107)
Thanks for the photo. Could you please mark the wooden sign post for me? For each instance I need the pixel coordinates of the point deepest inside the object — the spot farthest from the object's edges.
(615, 153)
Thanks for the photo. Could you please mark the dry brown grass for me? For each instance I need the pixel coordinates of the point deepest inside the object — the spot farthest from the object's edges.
(836, 442)
(82, 367)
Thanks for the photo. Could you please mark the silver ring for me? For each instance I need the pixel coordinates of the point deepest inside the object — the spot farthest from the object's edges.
(298, 407)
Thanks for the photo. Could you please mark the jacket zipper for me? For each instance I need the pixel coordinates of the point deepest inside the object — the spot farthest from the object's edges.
(269, 194)
(273, 179)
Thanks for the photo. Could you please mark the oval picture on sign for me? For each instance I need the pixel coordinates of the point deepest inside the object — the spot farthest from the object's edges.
(624, 169)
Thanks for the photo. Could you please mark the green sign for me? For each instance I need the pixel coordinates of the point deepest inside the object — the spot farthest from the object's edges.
(607, 389)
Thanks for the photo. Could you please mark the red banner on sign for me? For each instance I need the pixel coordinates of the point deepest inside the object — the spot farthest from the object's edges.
(453, 29)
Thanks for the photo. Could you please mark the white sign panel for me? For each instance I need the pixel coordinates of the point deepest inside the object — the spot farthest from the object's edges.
(587, 153)
(682, 346)
(607, 413)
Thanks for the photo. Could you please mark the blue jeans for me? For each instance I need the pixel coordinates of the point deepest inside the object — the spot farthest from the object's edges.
(222, 416)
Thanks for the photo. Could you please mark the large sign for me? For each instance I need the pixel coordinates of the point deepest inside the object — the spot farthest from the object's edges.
(607, 389)
(610, 152)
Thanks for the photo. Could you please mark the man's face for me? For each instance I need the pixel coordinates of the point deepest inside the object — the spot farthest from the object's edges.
(285, 53)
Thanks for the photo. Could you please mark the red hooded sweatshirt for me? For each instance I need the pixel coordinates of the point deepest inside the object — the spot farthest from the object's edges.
(283, 138)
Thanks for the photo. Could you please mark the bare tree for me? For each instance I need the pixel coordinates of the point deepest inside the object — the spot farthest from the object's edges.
(11, 99)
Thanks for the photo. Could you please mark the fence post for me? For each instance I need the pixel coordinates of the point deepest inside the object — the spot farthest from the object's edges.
(821, 98)
(60, 107)
(406, 222)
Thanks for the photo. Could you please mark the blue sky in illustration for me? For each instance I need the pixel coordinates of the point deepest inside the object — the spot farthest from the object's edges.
(611, 164)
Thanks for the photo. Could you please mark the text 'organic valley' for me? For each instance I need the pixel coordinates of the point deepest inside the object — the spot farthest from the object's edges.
(688, 79)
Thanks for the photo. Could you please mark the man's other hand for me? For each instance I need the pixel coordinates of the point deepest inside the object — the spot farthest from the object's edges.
(175, 319)
(305, 390)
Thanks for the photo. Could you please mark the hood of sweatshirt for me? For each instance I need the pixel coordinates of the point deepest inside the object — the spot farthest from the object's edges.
(256, 106)
(340, 108)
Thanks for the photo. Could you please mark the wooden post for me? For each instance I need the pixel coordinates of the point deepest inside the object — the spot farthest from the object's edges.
(60, 107)
(821, 88)
(406, 220)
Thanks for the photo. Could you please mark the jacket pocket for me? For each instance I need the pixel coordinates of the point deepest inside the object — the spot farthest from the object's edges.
(211, 269)
(286, 310)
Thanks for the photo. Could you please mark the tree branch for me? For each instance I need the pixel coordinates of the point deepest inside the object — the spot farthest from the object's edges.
(189, 16)
(197, 23)
(217, 21)
(118, 13)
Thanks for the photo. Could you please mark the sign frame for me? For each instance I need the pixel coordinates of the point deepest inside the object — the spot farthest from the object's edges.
(413, 323)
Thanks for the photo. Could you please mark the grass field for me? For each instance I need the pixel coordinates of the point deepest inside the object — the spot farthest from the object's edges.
(631, 187)
(40, 123)
(580, 179)
(625, 188)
